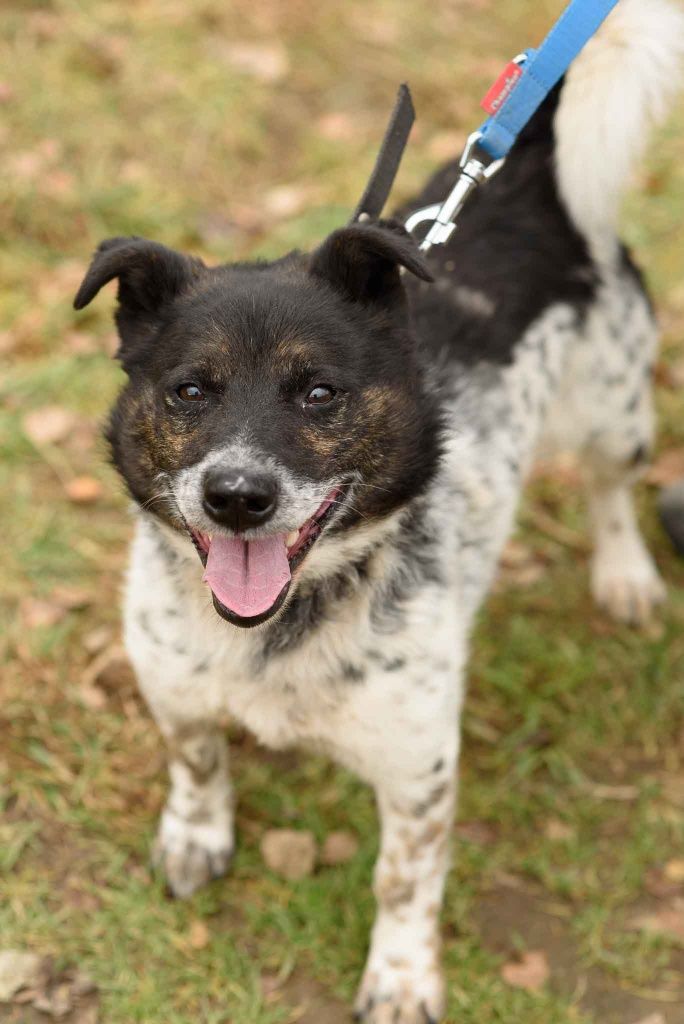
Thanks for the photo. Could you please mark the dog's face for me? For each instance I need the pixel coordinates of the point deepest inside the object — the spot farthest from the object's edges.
(269, 407)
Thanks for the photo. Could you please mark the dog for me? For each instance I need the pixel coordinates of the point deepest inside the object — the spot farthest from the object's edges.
(326, 453)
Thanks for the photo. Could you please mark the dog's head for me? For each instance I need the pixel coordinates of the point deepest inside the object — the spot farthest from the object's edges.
(269, 407)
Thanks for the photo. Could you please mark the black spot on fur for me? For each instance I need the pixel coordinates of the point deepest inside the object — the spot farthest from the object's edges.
(435, 795)
(353, 673)
(640, 455)
(419, 563)
(308, 610)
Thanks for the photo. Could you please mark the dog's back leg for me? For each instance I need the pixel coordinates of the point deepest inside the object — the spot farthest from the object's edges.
(605, 413)
(623, 339)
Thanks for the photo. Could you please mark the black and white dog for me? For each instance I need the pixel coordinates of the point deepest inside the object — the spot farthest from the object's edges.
(332, 452)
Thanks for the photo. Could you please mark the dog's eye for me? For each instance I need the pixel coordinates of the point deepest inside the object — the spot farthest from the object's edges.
(190, 393)
(320, 395)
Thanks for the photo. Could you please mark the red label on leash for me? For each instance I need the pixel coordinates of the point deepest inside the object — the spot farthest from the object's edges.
(502, 88)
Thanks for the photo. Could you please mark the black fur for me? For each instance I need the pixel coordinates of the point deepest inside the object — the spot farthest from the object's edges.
(514, 244)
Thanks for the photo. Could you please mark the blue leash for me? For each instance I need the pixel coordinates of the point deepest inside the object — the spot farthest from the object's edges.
(511, 102)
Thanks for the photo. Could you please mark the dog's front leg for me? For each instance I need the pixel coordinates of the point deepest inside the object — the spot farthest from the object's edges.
(403, 982)
(195, 839)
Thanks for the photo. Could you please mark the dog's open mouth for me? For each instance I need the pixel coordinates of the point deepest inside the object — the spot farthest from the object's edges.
(249, 579)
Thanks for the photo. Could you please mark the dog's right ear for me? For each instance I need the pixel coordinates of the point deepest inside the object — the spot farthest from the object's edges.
(150, 276)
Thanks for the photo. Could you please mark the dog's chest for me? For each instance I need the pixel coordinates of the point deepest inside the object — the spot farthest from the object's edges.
(298, 690)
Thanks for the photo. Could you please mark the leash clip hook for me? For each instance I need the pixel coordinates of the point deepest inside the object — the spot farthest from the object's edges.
(473, 172)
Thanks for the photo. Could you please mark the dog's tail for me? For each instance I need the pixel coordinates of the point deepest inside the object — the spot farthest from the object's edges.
(616, 90)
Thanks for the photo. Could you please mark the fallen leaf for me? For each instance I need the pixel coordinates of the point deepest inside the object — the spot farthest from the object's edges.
(19, 969)
(110, 671)
(605, 791)
(269, 63)
(479, 833)
(285, 200)
(199, 935)
(515, 554)
(93, 698)
(56, 1002)
(37, 613)
(667, 469)
(674, 870)
(338, 848)
(520, 566)
(8, 342)
(482, 730)
(676, 374)
(289, 853)
(85, 1015)
(270, 984)
(656, 884)
(530, 972)
(338, 127)
(43, 24)
(80, 343)
(558, 831)
(57, 184)
(83, 490)
(563, 469)
(96, 639)
(673, 790)
(71, 598)
(26, 164)
(49, 424)
(6, 92)
(668, 921)
(376, 26)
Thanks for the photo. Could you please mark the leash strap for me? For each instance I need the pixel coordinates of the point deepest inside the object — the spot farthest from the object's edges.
(511, 102)
(526, 82)
(387, 164)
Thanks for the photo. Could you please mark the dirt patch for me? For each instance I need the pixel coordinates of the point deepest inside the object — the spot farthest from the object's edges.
(311, 1002)
(507, 915)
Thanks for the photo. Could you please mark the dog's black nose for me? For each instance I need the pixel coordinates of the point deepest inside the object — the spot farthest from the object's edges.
(238, 498)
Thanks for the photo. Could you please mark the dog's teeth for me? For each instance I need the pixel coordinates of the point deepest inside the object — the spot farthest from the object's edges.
(291, 538)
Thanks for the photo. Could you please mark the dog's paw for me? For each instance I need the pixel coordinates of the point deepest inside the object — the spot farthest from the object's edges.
(400, 994)
(629, 590)
(190, 855)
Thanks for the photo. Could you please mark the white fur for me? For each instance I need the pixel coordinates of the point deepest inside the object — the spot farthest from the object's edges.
(618, 87)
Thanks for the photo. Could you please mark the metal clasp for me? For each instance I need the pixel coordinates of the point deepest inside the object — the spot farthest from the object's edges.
(473, 173)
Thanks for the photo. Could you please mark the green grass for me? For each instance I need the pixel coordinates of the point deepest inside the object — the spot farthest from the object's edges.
(137, 118)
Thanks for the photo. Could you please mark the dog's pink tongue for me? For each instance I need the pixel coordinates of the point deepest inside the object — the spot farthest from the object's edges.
(247, 576)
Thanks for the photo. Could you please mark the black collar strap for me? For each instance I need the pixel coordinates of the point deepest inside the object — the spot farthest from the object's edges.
(387, 164)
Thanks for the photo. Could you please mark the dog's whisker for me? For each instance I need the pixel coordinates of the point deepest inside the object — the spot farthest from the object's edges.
(162, 496)
(348, 504)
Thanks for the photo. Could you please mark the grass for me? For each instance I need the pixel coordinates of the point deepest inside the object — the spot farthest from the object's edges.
(237, 129)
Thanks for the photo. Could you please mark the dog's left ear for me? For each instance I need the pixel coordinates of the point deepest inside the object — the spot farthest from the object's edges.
(363, 261)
